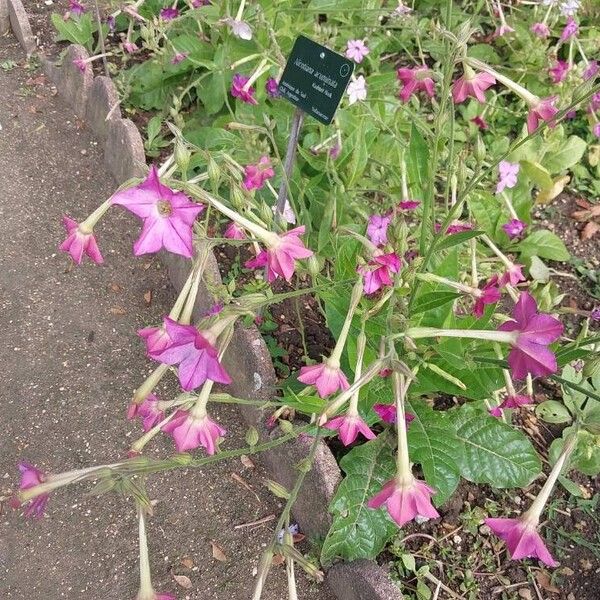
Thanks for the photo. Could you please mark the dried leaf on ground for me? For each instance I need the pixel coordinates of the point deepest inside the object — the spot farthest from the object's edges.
(148, 297)
(118, 310)
(543, 579)
(187, 562)
(217, 552)
(183, 580)
(247, 462)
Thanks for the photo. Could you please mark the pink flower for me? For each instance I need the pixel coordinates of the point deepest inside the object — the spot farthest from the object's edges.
(81, 64)
(533, 333)
(30, 477)
(414, 80)
(281, 256)
(196, 356)
(167, 216)
(377, 229)
(234, 232)
(595, 314)
(348, 427)
(571, 30)
(513, 275)
(199, 3)
(595, 102)
(516, 401)
(148, 411)
(543, 110)
(490, 294)
(272, 87)
(189, 432)
(75, 8)
(157, 338)
(178, 57)
(591, 70)
(559, 71)
(377, 273)
(238, 91)
(473, 87)
(79, 241)
(130, 47)
(507, 173)
(514, 228)
(503, 30)
(596, 130)
(387, 413)
(256, 175)
(405, 501)
(480, 122)
(326, 378)
(522, 539)
(541, 30)
(409, 204)
(454, 227)
(356, 50)
(334, 151)
(168, 14)
(357, 90)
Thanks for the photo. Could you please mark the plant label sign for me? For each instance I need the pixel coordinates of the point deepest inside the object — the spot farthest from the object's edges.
(315, 79)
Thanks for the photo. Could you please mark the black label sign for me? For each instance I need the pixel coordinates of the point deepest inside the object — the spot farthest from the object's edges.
(315, 79)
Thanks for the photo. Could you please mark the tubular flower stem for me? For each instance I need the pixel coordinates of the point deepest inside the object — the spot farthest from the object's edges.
(140, 443)
(508, 263)
(404, 473)
(243, 61)
(341, 341)
(190, 302)
(461, 287)
(151, 382)
(361, 342)
(260, 70)
(183, 294)
(238, 16)
(510, 388)
(509, 206)
(507, 337)
(146, 590)
(88, 225)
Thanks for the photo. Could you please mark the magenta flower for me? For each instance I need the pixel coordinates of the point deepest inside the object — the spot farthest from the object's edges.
(168, 14)
(377, 229)
(454, 227)
(272, 87)
(190, 432)
(541, 30)
(522, 539)
(595, 102)
(489, 294)
(234, 232)
(348, 427)
(167, 216)
(199, 3)
(502, 30)
(178, 57)
(516, 401)
(507, 175)
(571, 30)
(30, 477)
(514, 228)
(591, 70)
(387, 413)
(414, 80)
(533, 333)
(157, 338)
(75, 8)
(327, 378)
(148, 411)
(81, 64)
(543, 110)
(356, 50)
(238, 89)
(480, 122)
(558, 71)
(513, 275)
(595, 314)
(409, 204)
(596, 130)
(334, 151)
(196, 356)
(405, 501)
(472, 86)
(378, 272)
(280, 256)
(256, 175)
(130, 47)
(79, 241)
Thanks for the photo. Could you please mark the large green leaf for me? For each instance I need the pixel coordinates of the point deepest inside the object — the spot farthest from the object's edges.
(76, 31)
(545, 244)
(432, 444)
(537, 173)
(494, 452)
(358, 531)
(417, 162)
(569, 154)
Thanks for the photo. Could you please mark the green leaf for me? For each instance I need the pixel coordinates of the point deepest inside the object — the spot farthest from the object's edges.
(456, 238)
(358, 531)
(432, 444)
(569, 154)
(417, 161)
(432, 300)
(494, 452)
(553, 411)
(76, 31)
(545, 244)
(486, 210)
(484, 52)
(537, 173)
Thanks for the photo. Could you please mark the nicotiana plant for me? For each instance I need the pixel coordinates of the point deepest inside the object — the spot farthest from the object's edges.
(409, 221)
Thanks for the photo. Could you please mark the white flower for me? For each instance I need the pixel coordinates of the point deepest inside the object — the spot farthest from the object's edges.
(240, 29)
(288, 213)
(569, 7)
(357, 89)
(402, 10)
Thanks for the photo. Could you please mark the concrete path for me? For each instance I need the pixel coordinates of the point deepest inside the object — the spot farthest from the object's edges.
(69, 360)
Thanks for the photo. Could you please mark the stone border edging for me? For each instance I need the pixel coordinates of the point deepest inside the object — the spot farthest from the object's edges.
(93, 100)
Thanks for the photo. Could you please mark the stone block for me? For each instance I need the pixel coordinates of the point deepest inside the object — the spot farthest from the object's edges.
(19, 23)
(102, 98)
(124, 151)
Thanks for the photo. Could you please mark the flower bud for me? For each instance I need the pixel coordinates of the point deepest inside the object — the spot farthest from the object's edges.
(182, 155)
(214, 172)
(314, 268)
(252, 436)
(266, 213)
(277, 489)
(480, 150)
(237, 198)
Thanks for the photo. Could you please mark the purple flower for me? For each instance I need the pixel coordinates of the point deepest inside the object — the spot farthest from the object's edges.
(533, 333)
(238, 90)
(168, 14)
(31, 477)
(595, 102)
(405, 500)
(387, 413)
(473, 87)
(240, 29)
(178, 57)
(595, 314)
(502, 30)
(507, 173)
(130, 47)
(199, 3)
(348, 427)
(327, 378)
(168, 216)
(591, 70)
(377, 229)
(409, 204)
(190, 432)
(377, 273)
(356, 50)
(111, 22)
(596, 130)
(480, 122)
(514, 228)
(571, 30)
(256, 175)
(541, 30)
(75, 8)
(148, 411)
(157, 339)
(513, 275)
(234, 232)
(272, 87)
(454, 227)
(522, 539)
(414, 80)
(489, 294)
(196, 356)
(334, 151)
(559, 71)
(543, 110)
(80, 241)
(81, 64)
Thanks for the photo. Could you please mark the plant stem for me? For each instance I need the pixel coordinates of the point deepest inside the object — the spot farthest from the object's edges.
(288, 165)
